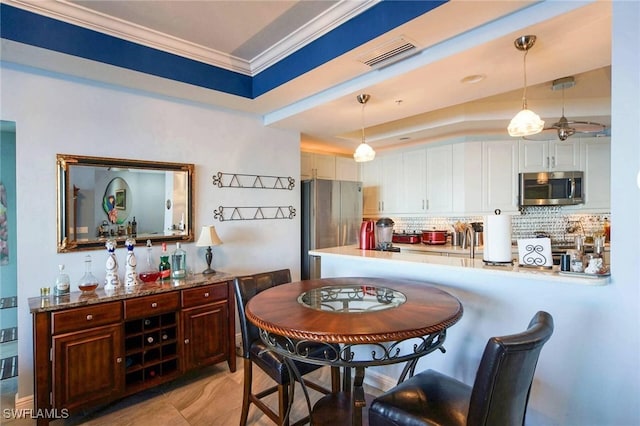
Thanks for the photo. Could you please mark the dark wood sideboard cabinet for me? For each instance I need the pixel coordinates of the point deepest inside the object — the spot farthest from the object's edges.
(94, 349)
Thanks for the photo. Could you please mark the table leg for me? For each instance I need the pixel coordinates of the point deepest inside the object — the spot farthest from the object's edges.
(357, 397)
(346, 379)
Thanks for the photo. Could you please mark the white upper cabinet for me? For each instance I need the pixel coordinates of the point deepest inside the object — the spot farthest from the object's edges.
(500, 175)
(347, 169)
(554, 155)
(371, 173)
(394, 184)
(332, 167)
(414, 182)
(440, 179)
(318, 166)
(596, 164)
(467, 177)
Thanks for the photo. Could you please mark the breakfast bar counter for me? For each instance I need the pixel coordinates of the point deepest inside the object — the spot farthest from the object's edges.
(436, 265)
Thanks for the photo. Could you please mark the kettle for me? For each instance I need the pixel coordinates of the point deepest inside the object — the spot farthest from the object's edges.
(367, 235)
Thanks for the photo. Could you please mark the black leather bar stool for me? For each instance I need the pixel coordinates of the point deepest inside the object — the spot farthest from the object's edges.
(499, 395)
(254, 351)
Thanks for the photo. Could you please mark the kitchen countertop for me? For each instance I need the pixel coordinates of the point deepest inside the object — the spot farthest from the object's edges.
(449, 249)
(451, 264)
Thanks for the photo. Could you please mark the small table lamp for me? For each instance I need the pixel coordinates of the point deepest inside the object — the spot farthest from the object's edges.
(208, 238)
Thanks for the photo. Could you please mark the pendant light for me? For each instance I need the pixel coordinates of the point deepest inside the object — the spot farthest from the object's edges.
(364, 152)
(526, 122)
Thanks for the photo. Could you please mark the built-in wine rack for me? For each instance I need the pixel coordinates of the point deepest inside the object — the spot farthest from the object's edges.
(151, 350)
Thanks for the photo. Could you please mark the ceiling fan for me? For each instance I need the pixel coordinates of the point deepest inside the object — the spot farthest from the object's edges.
(566, 128)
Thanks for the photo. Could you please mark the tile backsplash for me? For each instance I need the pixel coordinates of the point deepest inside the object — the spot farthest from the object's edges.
(560, 224)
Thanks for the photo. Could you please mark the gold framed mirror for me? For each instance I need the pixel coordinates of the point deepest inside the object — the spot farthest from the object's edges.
(109, 198)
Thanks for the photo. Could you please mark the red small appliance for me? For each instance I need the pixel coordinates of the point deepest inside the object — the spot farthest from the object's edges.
(367, 235)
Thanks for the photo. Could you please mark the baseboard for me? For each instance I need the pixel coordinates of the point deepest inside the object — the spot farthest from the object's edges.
(24, 403)
(379, 381)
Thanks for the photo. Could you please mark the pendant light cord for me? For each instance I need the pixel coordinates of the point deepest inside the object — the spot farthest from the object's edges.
(362, 119)
(524, 93)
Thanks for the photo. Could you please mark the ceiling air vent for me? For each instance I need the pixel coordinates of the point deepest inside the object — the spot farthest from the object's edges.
(389, 52)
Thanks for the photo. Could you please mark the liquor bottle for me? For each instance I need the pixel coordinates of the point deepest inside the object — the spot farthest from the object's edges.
(112, 280)
(165, 266)
(134, 228)
(62, 282)
(179, 263)
(88, 283)
(130, 276)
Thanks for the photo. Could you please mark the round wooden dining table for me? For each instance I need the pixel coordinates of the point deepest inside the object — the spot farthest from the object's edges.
(361, 322)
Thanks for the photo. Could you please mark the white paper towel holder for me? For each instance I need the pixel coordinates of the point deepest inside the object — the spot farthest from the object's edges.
(494, 262)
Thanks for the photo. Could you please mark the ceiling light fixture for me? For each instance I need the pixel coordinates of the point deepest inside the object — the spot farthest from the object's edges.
(526, 122)
(567, 128)
(364, 152)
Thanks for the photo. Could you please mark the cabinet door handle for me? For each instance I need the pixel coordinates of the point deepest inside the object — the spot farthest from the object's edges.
(89, 317)
(186, 341)
(119, 360)
(427, 204)
(154, 305)
(547, 162)
(553, 162)
(206, 294)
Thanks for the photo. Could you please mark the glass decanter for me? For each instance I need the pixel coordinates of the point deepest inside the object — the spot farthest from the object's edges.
(151, 273)
(88, 283)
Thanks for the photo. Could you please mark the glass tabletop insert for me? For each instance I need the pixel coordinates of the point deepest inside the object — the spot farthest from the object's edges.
(351, 298)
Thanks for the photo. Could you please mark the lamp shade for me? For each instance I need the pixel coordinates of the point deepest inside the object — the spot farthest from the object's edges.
(208, 237)
(525, 123)
(363, 153)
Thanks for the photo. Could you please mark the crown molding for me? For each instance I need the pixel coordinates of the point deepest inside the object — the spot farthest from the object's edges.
(330, 19)
(75, 14)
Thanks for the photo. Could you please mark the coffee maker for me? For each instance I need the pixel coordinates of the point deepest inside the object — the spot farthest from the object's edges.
(367, 235)
(384, 235)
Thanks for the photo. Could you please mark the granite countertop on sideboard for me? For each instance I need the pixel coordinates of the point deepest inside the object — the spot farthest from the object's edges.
(77, 298)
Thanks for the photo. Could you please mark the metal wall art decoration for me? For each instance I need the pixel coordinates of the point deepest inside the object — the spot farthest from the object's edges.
(254, 213)
(238, 180)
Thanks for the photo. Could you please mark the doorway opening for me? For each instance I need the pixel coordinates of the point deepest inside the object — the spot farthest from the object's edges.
(8, 268)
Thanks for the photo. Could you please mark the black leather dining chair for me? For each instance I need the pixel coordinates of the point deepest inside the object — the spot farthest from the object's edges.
(254, 351)
(499, 395)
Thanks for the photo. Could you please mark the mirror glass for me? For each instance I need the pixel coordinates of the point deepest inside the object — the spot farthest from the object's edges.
(102, 198)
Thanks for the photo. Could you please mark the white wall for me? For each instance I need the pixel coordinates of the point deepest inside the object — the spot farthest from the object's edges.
(58, 115)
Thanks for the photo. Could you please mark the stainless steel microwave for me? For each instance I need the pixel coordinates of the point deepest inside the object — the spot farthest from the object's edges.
(551, 188)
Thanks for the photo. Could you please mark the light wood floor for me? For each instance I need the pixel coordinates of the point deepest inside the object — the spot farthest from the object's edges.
(211, 396)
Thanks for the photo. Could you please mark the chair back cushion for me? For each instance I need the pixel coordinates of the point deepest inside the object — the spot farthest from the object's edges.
(505, 374)
(245, 288)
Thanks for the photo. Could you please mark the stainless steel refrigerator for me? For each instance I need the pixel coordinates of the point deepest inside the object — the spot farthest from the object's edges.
(331, 217)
